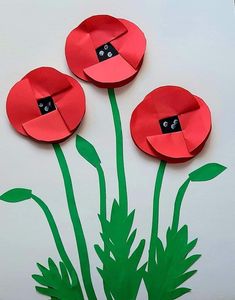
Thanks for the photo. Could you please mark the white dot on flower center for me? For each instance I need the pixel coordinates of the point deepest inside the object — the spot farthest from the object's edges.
(46, 108)
(101, 53)
(110, 54)
(165, 124)
(173, 126)
(106, 47)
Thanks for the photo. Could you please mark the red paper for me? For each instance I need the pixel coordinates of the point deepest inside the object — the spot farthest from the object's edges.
(25, 115)
(166, 102)
(124, 36)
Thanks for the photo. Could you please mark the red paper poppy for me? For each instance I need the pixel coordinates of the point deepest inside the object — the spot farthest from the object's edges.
(105, 50)
(46, 105)
(171, 124)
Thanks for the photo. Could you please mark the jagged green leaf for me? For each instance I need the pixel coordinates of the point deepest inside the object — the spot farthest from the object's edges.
(120, 264)
(55, 282)
(206, 172)
(16, 195)
(87, 151)
(163, 278)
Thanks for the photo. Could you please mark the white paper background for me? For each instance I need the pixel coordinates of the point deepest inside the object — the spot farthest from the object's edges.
(191, 44)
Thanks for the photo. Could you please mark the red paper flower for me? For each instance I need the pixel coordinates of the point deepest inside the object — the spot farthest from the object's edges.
(105, 50)
(171, 124)
(46, 105)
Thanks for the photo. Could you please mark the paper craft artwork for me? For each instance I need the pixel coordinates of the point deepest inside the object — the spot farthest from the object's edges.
(46, 105)
(105, 50)
(171, 124)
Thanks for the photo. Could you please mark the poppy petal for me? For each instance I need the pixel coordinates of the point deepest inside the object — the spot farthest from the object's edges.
(196, 125)
(170, 145)
(47, 81)
(80, 52)
(131, 45)
(47, 128)
(113, 70)
(103, 29)
(144, 122)
(71, 105)
(21, 105)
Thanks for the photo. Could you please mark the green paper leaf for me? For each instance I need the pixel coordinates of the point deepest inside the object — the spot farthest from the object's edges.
(56, 282)
(163, 278)
(206, 172)
(16, 195)
(87, 151)
(120, 264)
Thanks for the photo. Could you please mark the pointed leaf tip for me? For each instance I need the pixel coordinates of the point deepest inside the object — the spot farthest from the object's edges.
(16, 195)
(207, 172)
(87, 151)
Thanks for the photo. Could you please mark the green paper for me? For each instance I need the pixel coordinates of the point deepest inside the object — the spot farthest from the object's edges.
(120, 272)
(178, 203)
(56, 282)
(87, 151)
(122, 187)
(206, 172)
(16, 195)
(21, 194)
(155, 216)
(171, 267)
(76, 222)
(59, 244)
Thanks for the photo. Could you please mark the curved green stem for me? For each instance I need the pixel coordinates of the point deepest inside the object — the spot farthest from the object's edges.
(178, 202)
(77, 226)
(119, 152)
(155, 216)
(103, 216)
(58, 242)
(102, 185)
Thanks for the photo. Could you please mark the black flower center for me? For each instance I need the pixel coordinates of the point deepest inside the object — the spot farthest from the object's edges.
(46, 105)
(106, 51)
(169, 125)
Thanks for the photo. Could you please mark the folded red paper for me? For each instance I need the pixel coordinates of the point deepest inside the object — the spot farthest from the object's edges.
(46, 105)
(105, 50)
(171, 124)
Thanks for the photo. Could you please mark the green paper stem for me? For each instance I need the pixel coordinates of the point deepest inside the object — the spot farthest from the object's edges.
(77, 226)
(178, 203)
(102, 186)
(119, 153)
(103, 216)
(155, 216)
(58, 241)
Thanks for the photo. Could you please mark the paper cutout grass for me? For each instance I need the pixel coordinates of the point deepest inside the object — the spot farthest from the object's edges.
(169, 264)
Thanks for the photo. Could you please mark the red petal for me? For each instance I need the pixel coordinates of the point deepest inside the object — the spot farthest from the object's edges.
(71, 105)
(47, 81)
(102, 29)
(21, 105)
(196, 125)
(132, 44)
(113, 70)
(80, 52)
(170, 145)
(144, 122)
(172, 100)
(47, 128)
